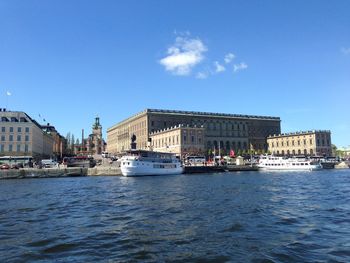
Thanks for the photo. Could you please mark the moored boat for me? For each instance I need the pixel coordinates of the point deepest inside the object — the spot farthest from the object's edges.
(142, 162)
(275, 163)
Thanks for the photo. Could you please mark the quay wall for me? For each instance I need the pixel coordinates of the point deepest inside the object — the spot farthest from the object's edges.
(43, 173)
(100, 170)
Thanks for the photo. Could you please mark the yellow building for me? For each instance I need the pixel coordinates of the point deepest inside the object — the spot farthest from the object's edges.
(20, 135)
(314, 143)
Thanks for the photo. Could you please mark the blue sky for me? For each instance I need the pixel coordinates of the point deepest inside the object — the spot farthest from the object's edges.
(72, 60)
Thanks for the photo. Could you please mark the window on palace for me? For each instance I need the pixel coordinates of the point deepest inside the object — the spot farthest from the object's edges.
(18, 138)
(11, 129)
(3, 129)
(11, 138)
(18, 147)
(10, 147)
(2, 138)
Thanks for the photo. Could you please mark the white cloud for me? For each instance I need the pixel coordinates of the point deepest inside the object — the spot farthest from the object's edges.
(229, 57)
(183, 55)
(345, 51)
(240, 66)
(219, 68)
(201, 75)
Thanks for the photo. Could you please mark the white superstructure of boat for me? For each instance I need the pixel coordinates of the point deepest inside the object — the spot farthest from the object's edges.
(141, 162)
(275, 163)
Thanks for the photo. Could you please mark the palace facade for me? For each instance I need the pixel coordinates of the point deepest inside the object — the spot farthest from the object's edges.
(301, 143)
(181, 140)
(224, 131)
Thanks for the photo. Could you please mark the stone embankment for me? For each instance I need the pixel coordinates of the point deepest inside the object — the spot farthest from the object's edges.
(104, 170)
(60, 172)
(43, 173)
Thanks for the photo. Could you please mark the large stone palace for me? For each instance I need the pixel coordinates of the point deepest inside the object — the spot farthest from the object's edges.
(197, 131)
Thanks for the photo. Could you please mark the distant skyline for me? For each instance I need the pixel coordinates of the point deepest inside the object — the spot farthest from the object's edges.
(67, 62)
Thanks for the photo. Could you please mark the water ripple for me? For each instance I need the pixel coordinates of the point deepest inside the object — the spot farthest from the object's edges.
(238, 217)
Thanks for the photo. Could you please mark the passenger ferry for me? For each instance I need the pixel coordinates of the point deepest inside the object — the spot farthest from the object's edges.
(275, 163)
(142, 162)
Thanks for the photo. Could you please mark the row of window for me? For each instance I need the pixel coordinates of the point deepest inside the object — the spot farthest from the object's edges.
(298, 143)
(13, 119)
(19, 138)
(11, 129)
(10, 148)
(239, 145)
(279, 164)
(293, 152)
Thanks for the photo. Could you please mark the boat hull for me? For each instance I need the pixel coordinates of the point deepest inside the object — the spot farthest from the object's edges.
(133, 171)
(309, 168)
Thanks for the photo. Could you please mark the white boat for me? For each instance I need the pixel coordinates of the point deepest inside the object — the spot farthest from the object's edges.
(275, 163)
(141, 162)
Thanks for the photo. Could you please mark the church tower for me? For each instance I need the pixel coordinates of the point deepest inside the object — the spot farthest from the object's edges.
(97, 137)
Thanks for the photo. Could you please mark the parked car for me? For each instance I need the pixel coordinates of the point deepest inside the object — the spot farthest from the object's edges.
(4, 166)
(48, 163)
(15, 166)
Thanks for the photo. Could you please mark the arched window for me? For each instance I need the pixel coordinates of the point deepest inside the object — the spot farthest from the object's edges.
(293, 152)
(299, 152)
(227, 145)
(305, 152)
